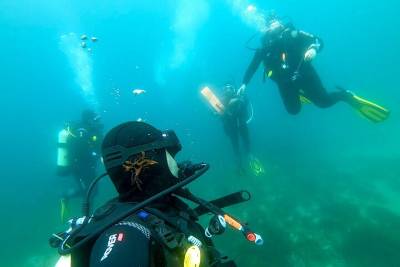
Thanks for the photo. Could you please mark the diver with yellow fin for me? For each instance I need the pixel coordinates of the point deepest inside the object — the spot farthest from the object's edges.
(236, 113)
(287, 53)
(78, 155)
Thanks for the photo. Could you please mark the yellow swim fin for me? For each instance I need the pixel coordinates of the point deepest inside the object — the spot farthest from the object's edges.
(304, 100)
(64, 210)
(369, 110)
(256, 166)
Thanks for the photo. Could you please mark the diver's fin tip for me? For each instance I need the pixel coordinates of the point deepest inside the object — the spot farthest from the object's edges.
(370, 110)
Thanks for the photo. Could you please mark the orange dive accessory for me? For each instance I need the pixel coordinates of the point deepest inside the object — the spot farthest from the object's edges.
(248, 234)
(221, 217)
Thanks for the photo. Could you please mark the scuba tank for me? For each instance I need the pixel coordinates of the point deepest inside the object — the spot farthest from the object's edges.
(64, 261)
(63, 160)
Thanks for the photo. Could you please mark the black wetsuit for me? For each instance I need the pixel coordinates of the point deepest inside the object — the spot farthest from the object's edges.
(283, 58)
(84, 149)
(235, 125)
(122, 245)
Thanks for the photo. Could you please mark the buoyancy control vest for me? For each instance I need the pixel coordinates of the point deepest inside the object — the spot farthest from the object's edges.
(76, 146)
(174, 232)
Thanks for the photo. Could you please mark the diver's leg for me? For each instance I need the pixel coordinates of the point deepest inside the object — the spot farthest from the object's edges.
(70, 191)
(74, 188)
(290, 97)
(89, 175)
(314, 90)
(86, 178)
(234, 136)
(244, 132)
(232, 131)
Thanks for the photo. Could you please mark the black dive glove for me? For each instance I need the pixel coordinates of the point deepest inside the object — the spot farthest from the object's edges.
(187, 168)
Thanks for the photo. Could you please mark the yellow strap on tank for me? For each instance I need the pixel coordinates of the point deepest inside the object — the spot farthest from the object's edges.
(192, 257)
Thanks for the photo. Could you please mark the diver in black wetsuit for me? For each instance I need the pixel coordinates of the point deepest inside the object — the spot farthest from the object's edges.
(287, 54)
(78, 156)
(82, 146)
(139, 159)
(234, 119)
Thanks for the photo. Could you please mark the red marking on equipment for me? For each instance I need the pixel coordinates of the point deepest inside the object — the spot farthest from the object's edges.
(251, 237)
(120, 236)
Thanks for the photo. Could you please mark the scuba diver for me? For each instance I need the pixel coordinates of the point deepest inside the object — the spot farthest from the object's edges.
(287, 54)
(235, 119)
(148, 223)
(236, 113)
(78, 154)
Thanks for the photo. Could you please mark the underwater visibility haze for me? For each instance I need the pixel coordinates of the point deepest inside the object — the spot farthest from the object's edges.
(326, 183)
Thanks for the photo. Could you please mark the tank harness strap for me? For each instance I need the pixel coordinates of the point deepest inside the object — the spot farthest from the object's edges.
(174, 239)
(167, 242)
(162, 233)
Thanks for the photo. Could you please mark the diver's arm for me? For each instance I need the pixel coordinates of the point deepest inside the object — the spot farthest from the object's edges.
(251, 69)
(311, 41)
